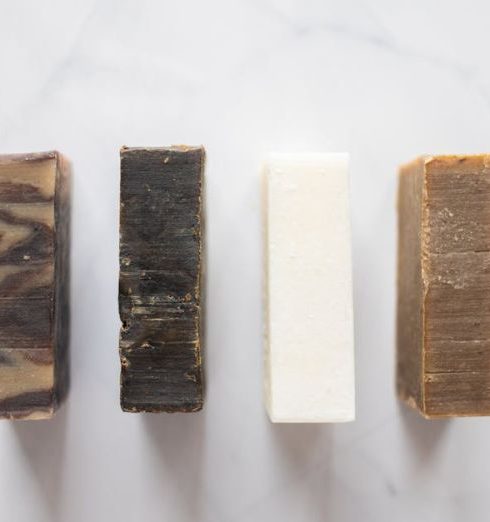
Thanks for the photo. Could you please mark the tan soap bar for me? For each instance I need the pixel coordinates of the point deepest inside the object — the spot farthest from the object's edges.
(443, 330)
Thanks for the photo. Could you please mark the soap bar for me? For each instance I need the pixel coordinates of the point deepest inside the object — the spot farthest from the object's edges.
(34, 284)
(161, 279)
(309, 353)
(443, 330)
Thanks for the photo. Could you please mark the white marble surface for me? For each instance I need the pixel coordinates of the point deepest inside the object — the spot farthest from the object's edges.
(382, 80)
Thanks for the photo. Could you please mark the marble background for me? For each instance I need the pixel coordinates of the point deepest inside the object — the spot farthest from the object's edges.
(382, 80)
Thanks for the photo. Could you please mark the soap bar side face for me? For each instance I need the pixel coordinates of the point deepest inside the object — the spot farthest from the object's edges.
(410, 330)
(33, 288)
(309, 362)
(457, 307)
(62, 312)
(161, 282)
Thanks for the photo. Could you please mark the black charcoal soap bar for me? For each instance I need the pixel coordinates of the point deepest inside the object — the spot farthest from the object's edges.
(161, 279)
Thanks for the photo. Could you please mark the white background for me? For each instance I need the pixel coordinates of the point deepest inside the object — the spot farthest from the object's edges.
(383, 80)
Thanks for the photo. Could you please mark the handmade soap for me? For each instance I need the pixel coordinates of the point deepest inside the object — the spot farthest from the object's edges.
(309, 353)
(34, 284)
(443, 332)
(161, 279)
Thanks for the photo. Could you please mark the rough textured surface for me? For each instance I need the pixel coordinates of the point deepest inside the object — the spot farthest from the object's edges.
(34, 284)
(443, 364)
(160, 291)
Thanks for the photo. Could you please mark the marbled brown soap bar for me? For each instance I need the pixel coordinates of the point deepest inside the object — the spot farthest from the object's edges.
(34, 284)
(160, 286)
(444, 285)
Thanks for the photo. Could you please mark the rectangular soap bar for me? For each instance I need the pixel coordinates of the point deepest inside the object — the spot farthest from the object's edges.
(309, 349)
(443, 333)
(161, 279)
(34, 284)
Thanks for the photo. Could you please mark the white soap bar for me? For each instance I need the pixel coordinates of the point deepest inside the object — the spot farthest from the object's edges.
(309, 339)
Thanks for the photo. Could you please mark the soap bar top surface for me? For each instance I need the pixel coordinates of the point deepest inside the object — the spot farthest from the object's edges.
(161, 278)
(309, 373)
(443, 365)
(34, 284)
